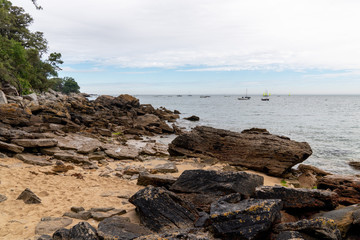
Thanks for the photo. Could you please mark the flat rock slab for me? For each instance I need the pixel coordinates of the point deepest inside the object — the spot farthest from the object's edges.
(247, 219)
(169, 167)
(161, 210)
(299, 199)
(11, 147)
(99, 216)
(33, 159)
(2, 198)
(49, 225)
(82, 215)
(29, 197)
(120, 228)
(79, 143)
(317, 228)
(122, 152)
(255, 149)
(32, 143)
(72, 157)
(146, 179)
(155, 149)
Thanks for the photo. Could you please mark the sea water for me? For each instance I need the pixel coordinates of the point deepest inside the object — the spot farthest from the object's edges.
(330, 124)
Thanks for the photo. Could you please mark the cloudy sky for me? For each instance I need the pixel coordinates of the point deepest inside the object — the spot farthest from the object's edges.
(205, 46)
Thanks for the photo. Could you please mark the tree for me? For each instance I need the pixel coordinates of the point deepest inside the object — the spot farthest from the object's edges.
(70, 85)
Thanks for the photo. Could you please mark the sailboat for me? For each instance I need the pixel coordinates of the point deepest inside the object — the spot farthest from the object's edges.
(266, 96)
(245, 98)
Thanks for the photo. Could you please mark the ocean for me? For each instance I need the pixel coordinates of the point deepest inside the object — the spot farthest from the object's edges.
(330, 124)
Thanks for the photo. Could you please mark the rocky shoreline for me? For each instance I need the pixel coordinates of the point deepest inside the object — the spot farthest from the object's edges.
(118, 181)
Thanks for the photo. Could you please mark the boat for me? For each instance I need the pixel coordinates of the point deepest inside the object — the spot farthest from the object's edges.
(266, 96)
(245, 98)
(204, 96)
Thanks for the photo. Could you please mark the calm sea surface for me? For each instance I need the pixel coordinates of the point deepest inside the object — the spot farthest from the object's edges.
(330, 124)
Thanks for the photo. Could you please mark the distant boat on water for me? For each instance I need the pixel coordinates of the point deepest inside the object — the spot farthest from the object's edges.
(204, 96)
(266, 96)
(244, 98)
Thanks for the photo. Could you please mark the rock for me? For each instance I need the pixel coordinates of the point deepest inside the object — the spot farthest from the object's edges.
(299, 199)
(161, 210)
(356, 217)
(307, 180)
(99, 216)
(82, 215)
(31, 143)
(72, 157)
(101, 209)
(343, 217)
(217, 183)
(253, 149)
(49, 225)
(115, 228)
(45, 237)
(3, 198)
(355, 165)
(146, 179)
(77, 209)
(61, 234)
(79, 143)
(290, 235)
(83, 231)
(169, 167)
(34, 159)
(184, 234)
(193, 118)
(147, 120)
(62, 168)
(317, 228)
(155, 149)
(347, 187)
(3, 99)
(314, 170)
(97, 156)
(11, 147)
(2, 155)
(247, 219)
(29, 197)
(122, 152)
(50, 151)
(10, 90)
(32, 97)
(14, 115)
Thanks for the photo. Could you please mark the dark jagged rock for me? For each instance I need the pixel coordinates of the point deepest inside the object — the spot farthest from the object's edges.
(290, 235)
(118, 228)
(247, 219)
(2, 198)
(356, 217)
(160, 209)
(355, 165)
(77, 209)
(217, 183)
(45, 237)
(193, 118)
(347, 187)
(203, 187)
(178, 235)
(252, 149)
(48, 225)
(146, 179)
(11, 147)
(13, 115)
(34, 159)
(299, 199)
(83, 231)
(61, 234)
(317, 228)
(29, 197)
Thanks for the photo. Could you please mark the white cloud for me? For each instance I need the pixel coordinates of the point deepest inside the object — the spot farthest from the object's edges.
(216, 34)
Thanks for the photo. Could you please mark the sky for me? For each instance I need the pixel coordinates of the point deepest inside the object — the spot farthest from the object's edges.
(204, 46)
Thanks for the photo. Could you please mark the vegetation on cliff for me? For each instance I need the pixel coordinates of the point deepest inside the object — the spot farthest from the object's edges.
(23, 61)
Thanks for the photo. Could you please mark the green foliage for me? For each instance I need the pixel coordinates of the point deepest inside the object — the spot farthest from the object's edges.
(65, 85)
(283, 183)
(21, 54)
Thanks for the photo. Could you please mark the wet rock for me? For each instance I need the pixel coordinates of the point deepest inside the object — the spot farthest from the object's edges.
(32, 143)
(34, 159)
(247, 219)
(193, 118)
(99, 216)
(257, 150)
(29, 197)
(122, 152)
(82, 215)
(160, 209)
(347, 187)
(355, 165)
(169, 167)
(3, 99)
(83, 231)
(2, 198)
(146, 179)
(11, 147)
(343, 217)
(115, 228)
(299, 199)
(48, 225)
(317, 228)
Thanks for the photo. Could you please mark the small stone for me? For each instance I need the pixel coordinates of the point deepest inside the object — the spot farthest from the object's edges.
(101, 209)
(77, 209)
(99, 216)
(29, 197)
(2, 198)
(83, 215)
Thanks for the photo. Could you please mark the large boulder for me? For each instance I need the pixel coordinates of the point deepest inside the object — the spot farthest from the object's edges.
(161, 210)
(79, 143)
(122, 152)
(202, 187)
(146, 179)
(299, 199)
(347, 187)
(317, 228)
(254, 149)
(247, 219)
(14, 115)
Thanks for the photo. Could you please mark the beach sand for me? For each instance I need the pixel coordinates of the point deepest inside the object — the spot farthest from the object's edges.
(61, 192)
